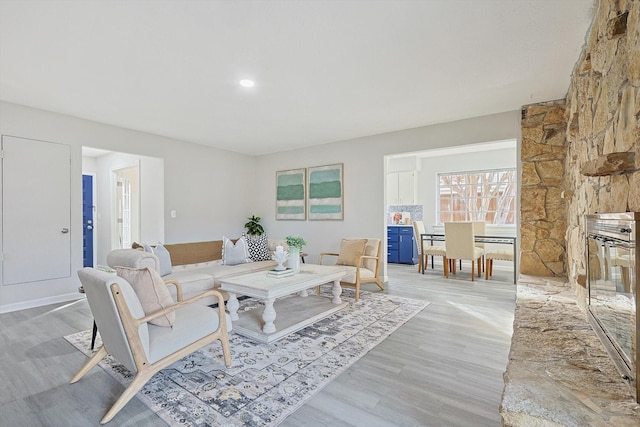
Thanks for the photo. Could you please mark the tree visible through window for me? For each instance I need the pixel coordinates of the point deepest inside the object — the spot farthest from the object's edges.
(488, 196)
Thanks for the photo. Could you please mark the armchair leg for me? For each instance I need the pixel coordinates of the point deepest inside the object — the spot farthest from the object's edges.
(226, 351)
(138, 382)
(89, 364)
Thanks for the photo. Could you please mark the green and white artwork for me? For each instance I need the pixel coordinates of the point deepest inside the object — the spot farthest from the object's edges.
(290, 197)
(325, 192)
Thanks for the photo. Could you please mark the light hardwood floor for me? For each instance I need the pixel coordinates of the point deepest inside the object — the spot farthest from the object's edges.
(442, 368)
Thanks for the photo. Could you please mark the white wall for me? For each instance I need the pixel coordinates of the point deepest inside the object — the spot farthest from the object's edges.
(364, 181)
(211, 190)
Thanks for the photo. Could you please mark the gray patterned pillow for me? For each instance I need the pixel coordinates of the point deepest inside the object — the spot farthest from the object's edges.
(258, 248)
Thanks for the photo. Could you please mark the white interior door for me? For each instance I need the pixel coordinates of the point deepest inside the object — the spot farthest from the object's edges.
(36, 210)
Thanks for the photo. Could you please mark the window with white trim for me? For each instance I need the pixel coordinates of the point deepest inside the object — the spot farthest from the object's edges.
(487, 195)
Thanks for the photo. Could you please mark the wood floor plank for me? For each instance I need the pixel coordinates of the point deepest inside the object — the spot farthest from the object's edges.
(442, 368)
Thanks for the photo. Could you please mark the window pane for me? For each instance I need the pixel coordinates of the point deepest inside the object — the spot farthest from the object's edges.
(480, 195)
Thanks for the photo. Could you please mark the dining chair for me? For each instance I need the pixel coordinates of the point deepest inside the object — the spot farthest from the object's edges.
(460, 245)
(479, 230)
(429, 251)
(497, 254)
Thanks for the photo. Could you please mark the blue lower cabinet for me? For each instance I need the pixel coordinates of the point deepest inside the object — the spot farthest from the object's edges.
(392, 244)
(401, 248)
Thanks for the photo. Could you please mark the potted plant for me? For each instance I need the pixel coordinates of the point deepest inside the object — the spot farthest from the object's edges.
(253, 226)
(295, 244)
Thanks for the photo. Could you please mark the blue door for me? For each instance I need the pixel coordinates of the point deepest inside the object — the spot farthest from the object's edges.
(87, 220)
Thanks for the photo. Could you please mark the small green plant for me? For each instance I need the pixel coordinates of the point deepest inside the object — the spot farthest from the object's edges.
(253, 226)
(295, 242)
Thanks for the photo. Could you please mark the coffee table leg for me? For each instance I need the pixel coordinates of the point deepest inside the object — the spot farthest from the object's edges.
(268, 316)
(233, 306)
(336, 291)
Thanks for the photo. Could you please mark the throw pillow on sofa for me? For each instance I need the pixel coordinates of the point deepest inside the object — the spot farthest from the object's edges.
(258, 248)
(164, 258)
(151, 291)
(237, 253)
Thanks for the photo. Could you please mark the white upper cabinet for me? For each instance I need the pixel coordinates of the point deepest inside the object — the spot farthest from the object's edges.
(401, 188)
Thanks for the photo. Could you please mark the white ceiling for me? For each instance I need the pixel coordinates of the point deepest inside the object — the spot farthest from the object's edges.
(325, 70)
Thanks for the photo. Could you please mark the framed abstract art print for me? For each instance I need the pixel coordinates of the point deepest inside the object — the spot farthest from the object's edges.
(290, 194)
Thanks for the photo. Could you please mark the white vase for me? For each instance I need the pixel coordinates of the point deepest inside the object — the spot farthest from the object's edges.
(294, 260)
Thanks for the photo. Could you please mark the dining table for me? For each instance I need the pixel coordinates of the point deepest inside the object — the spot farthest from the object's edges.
(500, 240)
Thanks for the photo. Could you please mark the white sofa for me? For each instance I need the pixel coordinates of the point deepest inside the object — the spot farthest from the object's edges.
(197, 266)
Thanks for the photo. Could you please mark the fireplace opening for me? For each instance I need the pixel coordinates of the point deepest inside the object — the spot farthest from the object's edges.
(613, 288)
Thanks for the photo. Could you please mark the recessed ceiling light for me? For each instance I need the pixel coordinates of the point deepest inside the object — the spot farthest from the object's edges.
(247, 83)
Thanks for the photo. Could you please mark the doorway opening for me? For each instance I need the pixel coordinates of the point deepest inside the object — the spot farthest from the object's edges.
(126, 204)
(128, 199)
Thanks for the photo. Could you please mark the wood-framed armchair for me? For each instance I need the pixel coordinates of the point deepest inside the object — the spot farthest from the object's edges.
(141, 347)
(363, 267)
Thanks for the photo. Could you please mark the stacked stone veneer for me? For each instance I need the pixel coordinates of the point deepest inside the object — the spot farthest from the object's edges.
(542, 209)
(603, 128)
(558, 372)
(582, 155)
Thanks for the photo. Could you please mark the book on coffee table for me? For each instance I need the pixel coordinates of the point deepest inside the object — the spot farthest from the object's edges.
(280, 273)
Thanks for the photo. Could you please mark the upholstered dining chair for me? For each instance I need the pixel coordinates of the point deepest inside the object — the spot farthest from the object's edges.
(479, 230)
(429, 251)
(460, 244)
(495, 254)
(142, 347)
(361, 259)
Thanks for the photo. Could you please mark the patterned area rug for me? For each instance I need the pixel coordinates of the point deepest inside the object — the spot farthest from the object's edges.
(266, 382)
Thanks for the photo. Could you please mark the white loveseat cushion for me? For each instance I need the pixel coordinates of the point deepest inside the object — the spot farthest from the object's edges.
(197, 278)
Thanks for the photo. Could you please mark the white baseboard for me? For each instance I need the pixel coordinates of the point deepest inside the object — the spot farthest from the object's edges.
(7, 308)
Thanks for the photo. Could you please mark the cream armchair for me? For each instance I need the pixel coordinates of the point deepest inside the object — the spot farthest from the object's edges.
(459, 239)
(141, 347)
(361, 260)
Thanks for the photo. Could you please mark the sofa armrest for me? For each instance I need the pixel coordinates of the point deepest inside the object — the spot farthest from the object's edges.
(132, 258)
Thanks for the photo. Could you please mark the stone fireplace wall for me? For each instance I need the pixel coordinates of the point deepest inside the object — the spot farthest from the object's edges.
(603, 127)
(542, 209)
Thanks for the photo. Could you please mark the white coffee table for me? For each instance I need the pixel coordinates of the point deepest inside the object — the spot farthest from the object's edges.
(293, 313)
